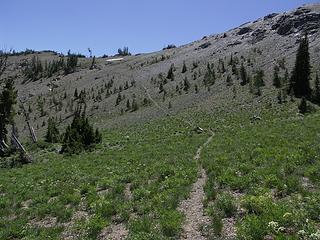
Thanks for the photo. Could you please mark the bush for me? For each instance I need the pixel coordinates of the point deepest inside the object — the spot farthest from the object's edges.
(171, 223)
(53, 135)
(226, 204)
(80, 135)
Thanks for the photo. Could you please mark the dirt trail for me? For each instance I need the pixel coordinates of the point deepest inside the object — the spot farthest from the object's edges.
(192, 207)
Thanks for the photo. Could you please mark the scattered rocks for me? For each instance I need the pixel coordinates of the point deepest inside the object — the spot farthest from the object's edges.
(244, 30)
(270, 16)
(258, 35)
(114, 232)
(301, 20)
(204, 45)
(234, 43)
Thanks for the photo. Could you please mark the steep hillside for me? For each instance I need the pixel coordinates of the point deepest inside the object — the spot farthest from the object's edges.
(259, 45)
(197, 142)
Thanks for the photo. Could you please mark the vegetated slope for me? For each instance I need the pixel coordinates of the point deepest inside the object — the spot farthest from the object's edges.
(260, 45)
(261, 176)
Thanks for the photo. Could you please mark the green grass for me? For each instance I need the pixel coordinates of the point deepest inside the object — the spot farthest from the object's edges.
(156, 159)
(266, 162)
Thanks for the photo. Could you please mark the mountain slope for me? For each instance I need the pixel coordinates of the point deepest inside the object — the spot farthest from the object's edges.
(258, 45)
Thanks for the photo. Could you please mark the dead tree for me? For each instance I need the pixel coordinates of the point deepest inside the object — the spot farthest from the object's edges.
(25, 157)
(26, 115)
(3, 61)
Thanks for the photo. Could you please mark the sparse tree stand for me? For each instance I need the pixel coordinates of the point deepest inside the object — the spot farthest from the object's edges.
(300, 78)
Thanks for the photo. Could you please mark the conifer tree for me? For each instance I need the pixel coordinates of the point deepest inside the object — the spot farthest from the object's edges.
(135, 105)
(316, 95)
(210, 75)
(8, 98)
(184, 68)
(79, 134)
(276, 78)
(170, 74)
(300, 78)
(186, 85)
(243, 75)
(53, 135)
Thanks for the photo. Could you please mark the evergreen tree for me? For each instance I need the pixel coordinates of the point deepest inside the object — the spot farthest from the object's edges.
(303, 106)
(210, 76)
(170, 74)
(135, 105)
(259, 82)
(300, 78)
(53, 135)
(243, 75)
(316, 95)
(276, 78)
(71, 64)
(184, 68)
(229, 81)
(8, 98)
(128, 105)
(79, 135)
(196, 89)
(93, 63)
(76, 95)
(186, 85)
(118, 100)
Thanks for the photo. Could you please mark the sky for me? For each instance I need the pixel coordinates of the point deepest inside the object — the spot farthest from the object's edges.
(106, 25)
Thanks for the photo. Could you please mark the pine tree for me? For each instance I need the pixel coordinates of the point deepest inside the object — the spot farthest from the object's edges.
(303, 106)
(210, 75)
(80, 135)
(276, 78)
(53, 135)
(243, 75)
(128, 105)
(170, 74)
(8, 98)
(300, 78)
(118, 100)
(229, 81)
(196, 89)
(316, 95)
(184, 68)
(186, 85)
(135, 105)
(93, 63)
(76, 94)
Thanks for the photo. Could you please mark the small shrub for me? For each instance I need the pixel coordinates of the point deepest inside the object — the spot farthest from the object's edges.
(226, 204)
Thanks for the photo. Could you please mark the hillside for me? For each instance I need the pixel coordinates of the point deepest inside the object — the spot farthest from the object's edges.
(192, 148)
(258, 45)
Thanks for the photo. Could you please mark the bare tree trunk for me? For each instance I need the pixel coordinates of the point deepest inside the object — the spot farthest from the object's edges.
(26, 158)
(31, 130)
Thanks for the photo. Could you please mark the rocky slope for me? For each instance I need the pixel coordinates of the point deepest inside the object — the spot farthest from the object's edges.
(259, 45)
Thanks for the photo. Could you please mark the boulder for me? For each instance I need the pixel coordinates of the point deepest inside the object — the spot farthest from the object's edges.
(244, 30)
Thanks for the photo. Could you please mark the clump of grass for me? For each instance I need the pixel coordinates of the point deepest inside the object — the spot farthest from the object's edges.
(226, 204)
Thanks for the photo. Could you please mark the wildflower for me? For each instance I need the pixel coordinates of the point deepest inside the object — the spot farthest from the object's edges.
(273, 225)
(302, 232)
(287, 214)
(315, 236)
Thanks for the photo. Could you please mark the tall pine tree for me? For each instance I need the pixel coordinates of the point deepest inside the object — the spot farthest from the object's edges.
(8, 98)
(316, 95)
(300, 79)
